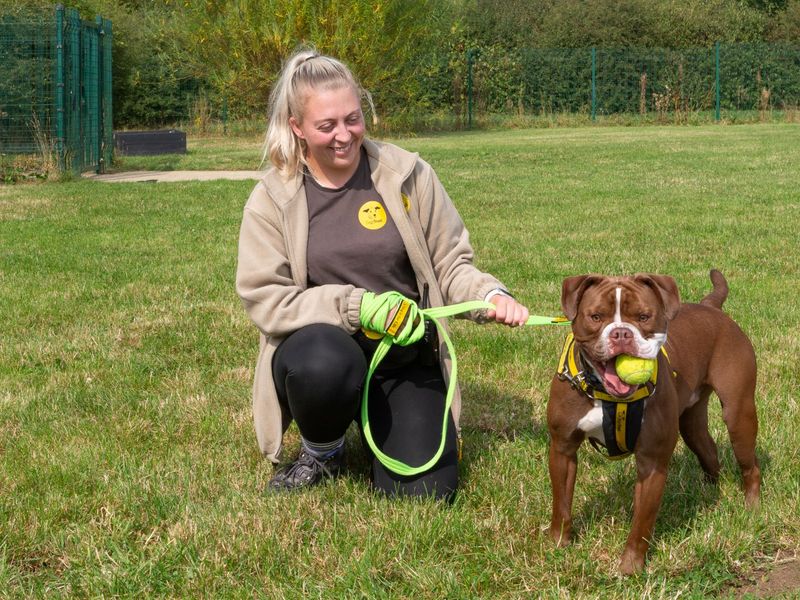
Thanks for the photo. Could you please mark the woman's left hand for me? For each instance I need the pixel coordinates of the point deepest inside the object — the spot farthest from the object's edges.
(507, 311)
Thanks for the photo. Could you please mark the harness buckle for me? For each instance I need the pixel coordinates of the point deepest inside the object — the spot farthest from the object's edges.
(578, 380)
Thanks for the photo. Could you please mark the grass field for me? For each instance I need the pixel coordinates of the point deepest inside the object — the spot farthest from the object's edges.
(128, 463)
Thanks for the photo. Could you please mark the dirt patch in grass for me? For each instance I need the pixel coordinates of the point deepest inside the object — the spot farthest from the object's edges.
(780, 580)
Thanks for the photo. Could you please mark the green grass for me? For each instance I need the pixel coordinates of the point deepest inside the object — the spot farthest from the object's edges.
(128, 464)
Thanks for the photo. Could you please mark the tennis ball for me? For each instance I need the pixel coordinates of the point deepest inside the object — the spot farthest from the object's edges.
(634, 370)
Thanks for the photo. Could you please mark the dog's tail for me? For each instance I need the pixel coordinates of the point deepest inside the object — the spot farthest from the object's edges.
(720, 291)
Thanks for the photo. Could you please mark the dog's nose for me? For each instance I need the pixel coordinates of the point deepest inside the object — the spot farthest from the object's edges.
(620, 334)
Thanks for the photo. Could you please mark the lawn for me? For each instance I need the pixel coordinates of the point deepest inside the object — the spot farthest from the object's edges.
(128, 462)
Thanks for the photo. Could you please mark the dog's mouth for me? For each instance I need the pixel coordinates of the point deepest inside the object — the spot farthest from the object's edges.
(607, 372)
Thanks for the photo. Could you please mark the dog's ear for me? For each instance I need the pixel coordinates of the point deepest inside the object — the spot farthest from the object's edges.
(665, 288)
(571, 292)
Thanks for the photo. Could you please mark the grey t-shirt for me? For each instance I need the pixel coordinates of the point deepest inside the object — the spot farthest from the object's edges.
(352, 239)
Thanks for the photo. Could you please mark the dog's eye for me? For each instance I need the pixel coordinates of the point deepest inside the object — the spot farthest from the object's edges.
(596, 318)
(644, 317)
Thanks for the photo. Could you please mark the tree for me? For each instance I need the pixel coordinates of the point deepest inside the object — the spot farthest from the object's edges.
(241, 44)
(784, 25)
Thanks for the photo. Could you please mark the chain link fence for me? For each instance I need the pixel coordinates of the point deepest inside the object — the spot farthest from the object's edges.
(55, 90)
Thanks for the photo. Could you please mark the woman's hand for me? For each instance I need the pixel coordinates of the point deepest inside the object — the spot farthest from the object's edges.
(391, 313)
(507, 311)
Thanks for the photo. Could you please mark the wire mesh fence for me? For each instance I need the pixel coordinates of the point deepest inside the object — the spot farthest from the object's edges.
(55, 90)
(610, 81)
(55, 86)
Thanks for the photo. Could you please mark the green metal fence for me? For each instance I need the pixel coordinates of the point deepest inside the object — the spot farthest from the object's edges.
(607, 81)
(55, 89)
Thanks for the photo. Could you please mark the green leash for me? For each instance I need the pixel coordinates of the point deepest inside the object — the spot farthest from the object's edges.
(431, 314)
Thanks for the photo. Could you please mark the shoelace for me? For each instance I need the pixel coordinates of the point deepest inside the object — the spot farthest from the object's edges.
(307, 460)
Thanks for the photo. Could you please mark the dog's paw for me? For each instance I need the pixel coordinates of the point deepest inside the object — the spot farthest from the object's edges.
(561, 536)
(631, 563)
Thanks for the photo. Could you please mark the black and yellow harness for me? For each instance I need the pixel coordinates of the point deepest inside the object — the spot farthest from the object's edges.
(622, 417)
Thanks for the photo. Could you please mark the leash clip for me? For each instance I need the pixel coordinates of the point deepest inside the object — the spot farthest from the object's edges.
(578, 381)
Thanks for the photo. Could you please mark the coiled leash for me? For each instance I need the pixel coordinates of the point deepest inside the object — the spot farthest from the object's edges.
(430, 314)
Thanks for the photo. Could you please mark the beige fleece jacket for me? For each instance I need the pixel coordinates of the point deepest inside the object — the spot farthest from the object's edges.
(271, 276)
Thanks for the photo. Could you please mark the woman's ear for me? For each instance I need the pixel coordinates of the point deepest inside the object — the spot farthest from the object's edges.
(296, 128)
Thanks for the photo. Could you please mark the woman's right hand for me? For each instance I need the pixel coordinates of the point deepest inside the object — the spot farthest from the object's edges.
(507, 311)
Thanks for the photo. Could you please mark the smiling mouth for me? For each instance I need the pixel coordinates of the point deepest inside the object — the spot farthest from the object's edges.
(344, 148)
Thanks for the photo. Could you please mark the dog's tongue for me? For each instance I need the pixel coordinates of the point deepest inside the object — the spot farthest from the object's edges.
(613, 384)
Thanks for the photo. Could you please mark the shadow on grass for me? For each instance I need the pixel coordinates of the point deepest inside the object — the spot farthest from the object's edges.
(687, 495)
(490, 420)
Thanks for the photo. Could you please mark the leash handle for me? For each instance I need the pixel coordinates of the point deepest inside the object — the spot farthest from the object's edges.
(431, 314)
(457, 309)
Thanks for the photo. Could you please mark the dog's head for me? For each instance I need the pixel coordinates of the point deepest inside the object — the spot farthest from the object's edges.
(619, 315)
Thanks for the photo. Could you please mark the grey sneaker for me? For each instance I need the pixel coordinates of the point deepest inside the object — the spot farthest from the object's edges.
(306, 471)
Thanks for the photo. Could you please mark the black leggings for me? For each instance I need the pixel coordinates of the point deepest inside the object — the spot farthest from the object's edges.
(319, 374)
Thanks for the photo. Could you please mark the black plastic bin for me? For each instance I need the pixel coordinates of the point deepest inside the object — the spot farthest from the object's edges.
(148, 143)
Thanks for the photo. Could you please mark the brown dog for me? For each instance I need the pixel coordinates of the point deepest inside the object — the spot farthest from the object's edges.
(704, 350)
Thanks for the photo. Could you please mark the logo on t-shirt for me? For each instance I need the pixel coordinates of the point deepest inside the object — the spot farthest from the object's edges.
(371, 215)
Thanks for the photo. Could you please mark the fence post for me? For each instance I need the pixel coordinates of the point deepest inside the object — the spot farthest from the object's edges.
(60, 149)
(73, 96)
(716, 85)
(594, 83)
(107, 106)
(469, 88)
(98, 134)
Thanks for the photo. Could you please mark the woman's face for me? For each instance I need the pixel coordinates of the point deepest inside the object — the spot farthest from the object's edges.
(333, 129)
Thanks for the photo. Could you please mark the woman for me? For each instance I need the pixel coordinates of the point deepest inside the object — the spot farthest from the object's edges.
(338, 234)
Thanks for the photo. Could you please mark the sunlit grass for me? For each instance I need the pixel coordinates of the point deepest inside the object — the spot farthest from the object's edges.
(128, 463)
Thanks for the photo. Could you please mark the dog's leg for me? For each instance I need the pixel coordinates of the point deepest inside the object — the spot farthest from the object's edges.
(736, 388)
(739, 414)
(563, 469)
(650, 482)
(694, 431)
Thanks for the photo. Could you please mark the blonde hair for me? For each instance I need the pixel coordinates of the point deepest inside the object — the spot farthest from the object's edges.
(304, 71)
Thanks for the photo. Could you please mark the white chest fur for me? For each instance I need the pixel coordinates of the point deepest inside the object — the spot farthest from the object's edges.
(592, 423)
